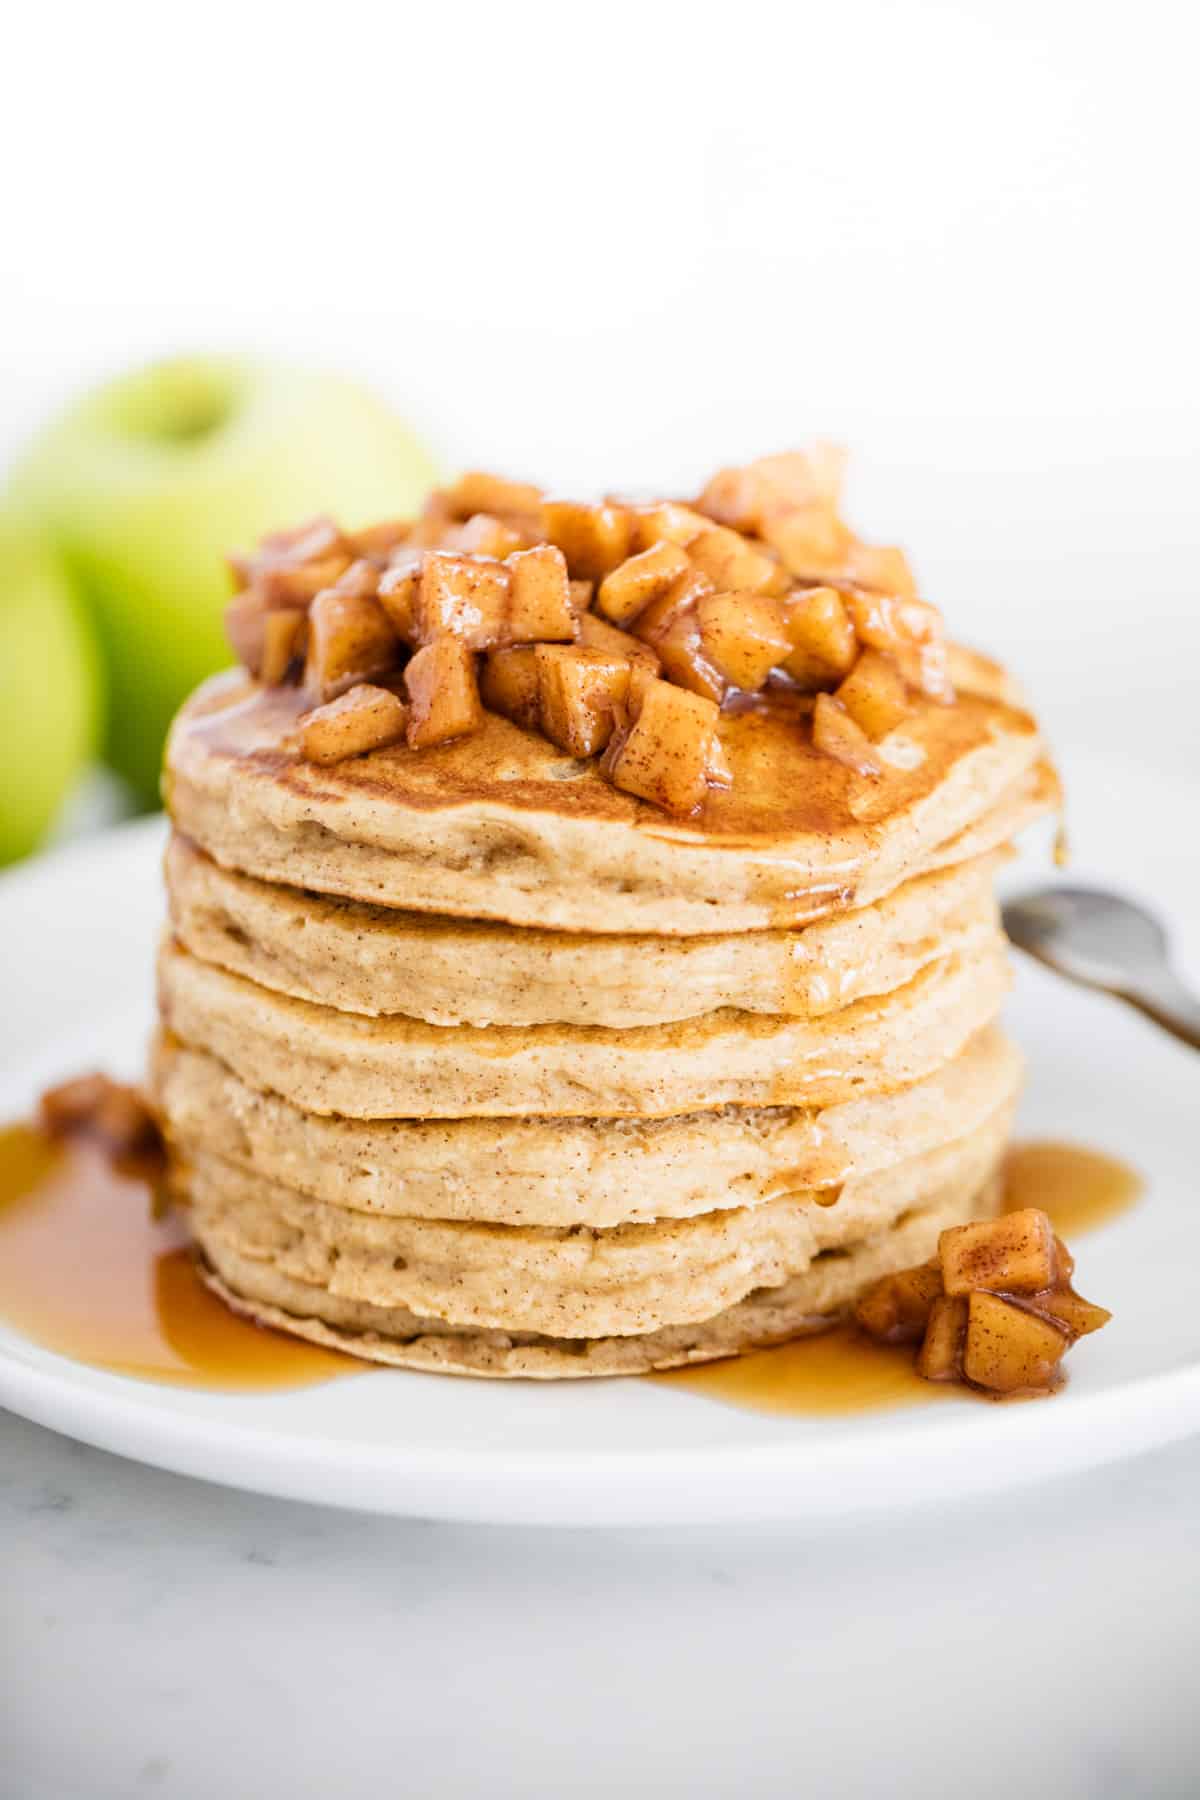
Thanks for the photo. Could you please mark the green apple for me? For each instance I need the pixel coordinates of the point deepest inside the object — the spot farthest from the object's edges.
(49, 686)
(146, 483)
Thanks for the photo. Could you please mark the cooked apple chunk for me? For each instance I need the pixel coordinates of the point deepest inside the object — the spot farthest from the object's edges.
(477, 492)
(509, 685)
(836, 734)
(244, 622)
(824, 646)
(666, 522)
(908, 630)
(664, 753)
(95, 1106)
(596, 634)
(285, 635)
(1076, 1316)
(874, 695)
(732, 564)
(381, 539)
(485, 535)
(744, 636)
(1014, 1254)
(810, 540)
(744, 497)
(1008, 1348)
(443, 693)
(940, 1357)
(464, 596)
(363, 718)
(629, 588)
(896, 1309)
(594, 539)
(883, 567)
(350, 639)
(579, 693)
(539, 598)
(397, 591)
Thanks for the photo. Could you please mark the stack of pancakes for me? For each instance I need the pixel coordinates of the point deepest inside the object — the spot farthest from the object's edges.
(471, 1062)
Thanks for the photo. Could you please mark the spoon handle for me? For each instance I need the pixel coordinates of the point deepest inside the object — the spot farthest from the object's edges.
(1164, 998)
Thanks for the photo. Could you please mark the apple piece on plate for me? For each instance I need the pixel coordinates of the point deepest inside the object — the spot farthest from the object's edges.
(147, 483)
(49, 688)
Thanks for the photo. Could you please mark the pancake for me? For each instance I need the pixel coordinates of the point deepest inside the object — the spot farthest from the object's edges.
(375, 960)
(500, 825)
(565, 1281)
(806, 1303)
(330, 1062)
(598, 1172)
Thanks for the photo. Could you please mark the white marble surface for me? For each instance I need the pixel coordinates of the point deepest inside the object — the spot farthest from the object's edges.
(166, 1637)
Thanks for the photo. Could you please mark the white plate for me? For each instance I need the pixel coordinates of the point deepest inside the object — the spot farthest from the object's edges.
(78, 931)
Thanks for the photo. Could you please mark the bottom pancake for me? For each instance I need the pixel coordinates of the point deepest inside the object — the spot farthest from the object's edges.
(573, 1282)
(808, 1303)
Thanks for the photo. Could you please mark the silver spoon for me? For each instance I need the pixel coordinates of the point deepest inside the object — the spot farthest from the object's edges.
(1102, 941)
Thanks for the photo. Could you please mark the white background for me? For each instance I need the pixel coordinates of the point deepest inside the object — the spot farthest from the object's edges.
(618, 246)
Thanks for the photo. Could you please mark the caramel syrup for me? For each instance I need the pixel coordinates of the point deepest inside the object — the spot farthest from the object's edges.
(88, 1270)
(841, 1371)
(835, 1372)
(1078, 1187)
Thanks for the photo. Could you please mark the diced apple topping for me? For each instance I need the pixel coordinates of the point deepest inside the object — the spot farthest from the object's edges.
(883, 567)
(823, 644)
(896, 1309)
(663, 754)
(629, 588)
(443, 693)
(596, 633)
(509, 685)
(666, 522)
(732, 564)
(1008, 1348)
(1013, 1254)
(485, 535)
(758, 588)
(941, 1352)
(540, 608)
(381, 539)
(466, 596)
(744, 636)
(363, 718)
(350, 639)
(995, 1309)
(594, 539)
(839, 736)
(397, 592)
(285, 638)
(579, 693)
(109, 1112)
(810, 540)
(874, 695)
(477, 492)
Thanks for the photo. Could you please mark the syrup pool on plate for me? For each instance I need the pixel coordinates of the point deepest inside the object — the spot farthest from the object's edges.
(88, 1270)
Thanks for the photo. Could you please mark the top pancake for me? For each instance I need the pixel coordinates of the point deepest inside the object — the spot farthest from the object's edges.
(501, 825)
